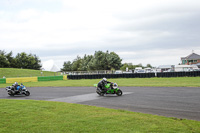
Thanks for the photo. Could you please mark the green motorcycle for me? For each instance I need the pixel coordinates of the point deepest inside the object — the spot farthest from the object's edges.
(111, 88)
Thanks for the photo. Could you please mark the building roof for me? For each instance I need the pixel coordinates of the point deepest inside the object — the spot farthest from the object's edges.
(192, 56)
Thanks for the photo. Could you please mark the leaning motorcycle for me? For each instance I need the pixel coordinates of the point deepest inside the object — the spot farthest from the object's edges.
(21, 90)
(110, 89)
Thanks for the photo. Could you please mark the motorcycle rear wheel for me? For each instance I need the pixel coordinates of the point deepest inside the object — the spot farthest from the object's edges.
(119, 92)
(100, 93)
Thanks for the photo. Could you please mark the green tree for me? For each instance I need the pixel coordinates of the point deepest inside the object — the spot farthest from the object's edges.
(149, 65)
(76, 65)
(114, 61)
(85, 62)
(67, 66)
(3, 60)
(27, 61)
(99, 61)
(11, 59)
(130, 66)
(22, 60)
(37, 65)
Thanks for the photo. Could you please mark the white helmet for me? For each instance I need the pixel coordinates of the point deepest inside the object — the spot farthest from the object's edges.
(16, 83)
(104, 79)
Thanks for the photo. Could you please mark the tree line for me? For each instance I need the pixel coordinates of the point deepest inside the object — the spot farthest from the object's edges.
(21, 60)
(130, 66)
(99, 61)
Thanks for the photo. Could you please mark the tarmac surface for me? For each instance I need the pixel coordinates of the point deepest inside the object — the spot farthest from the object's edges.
(179, 102)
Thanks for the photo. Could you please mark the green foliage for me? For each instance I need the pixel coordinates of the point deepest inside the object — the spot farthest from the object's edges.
(3, 60)
(85, 62)
(22, 60)
(76, 65)
(130, 66)
(99, 61)
(30, 116)
(114, 61)
(67, 66)
(149, 65)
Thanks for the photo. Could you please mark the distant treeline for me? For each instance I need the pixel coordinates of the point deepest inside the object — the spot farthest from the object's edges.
(21, 60)
(99, 61)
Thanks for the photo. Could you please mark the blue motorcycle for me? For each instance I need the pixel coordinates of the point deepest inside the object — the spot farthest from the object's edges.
(19, 90)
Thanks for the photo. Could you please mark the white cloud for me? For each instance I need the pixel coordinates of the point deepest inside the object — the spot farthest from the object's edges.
(77, 27)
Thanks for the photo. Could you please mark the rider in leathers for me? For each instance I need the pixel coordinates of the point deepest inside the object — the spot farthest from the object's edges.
(16, 86)
(102, 84)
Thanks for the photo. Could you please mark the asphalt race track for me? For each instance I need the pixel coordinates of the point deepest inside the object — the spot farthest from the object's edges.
(180, 102)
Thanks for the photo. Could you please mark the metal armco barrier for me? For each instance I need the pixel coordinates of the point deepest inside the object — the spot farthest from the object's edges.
(50, 78)
(137, 75)
(2, 81)
(32, 79)
(21, 80)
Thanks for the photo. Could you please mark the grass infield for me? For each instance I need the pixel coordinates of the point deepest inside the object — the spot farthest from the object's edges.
(30, 116)
(157, 82)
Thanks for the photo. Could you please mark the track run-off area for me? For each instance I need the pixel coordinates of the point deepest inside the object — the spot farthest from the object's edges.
(179, 102)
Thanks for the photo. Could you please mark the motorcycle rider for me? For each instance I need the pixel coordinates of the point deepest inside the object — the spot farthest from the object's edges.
(16, 86)
(102, 84)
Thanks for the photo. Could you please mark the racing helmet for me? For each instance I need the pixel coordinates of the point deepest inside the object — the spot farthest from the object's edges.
(115, 85)
(16, 83)
(104, 79)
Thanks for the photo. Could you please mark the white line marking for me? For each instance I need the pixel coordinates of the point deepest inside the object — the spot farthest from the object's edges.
(82, 98)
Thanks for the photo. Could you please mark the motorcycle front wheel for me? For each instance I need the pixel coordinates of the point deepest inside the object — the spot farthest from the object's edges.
(119, 92)
(10, 93)
(27, 93)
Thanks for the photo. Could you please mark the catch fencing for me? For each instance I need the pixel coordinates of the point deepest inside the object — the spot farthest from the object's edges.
(136, 75)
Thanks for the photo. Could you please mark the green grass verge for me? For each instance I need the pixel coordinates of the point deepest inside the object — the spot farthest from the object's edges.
(30, 116)
(159, 82)
(14, 72)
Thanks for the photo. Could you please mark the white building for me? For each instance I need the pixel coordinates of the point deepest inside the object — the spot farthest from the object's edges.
(179, 68)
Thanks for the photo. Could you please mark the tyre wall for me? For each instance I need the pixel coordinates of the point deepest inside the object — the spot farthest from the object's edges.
(137, 75)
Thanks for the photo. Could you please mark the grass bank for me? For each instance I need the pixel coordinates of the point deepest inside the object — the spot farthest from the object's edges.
(45, 116)
(14, 72)
(157, 82)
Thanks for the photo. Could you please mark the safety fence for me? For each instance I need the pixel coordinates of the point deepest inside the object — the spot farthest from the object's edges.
(137, 75)
(99, 76)
(2, 81)
(32, 79)
(50, 78)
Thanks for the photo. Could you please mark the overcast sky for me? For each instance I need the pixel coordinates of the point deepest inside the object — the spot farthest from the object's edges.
(158, 32)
